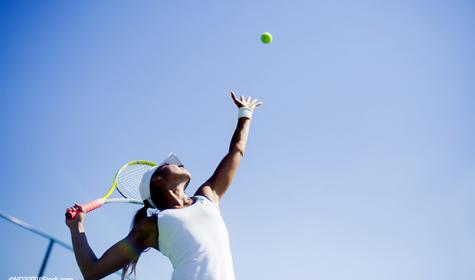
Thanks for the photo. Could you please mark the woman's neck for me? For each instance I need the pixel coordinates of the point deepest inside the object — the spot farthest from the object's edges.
(176, 199)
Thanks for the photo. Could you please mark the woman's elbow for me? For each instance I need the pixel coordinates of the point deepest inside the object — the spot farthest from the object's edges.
(93, 274)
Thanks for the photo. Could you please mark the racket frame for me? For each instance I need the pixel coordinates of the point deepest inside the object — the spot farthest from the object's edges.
(105, 199)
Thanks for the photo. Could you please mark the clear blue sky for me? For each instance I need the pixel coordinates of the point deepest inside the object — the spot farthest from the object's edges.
(360, 164)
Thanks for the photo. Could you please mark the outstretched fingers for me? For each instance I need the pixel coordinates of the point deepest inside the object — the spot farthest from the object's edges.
(235, 99)
(258, 103)
(243, 101)
(255, 103)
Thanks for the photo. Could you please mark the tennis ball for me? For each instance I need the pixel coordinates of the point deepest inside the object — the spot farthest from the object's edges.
(266, 38)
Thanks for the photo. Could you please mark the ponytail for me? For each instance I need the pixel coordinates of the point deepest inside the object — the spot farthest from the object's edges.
(140, 215)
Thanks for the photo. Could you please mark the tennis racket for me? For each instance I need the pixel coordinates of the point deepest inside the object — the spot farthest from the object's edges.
(126, 181)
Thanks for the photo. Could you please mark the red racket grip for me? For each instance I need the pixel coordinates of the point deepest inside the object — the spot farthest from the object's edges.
(71, 214)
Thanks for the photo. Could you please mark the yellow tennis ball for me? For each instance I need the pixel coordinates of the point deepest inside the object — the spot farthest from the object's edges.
(266, 38)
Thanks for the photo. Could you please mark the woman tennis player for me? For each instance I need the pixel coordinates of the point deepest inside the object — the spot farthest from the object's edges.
(188, 230)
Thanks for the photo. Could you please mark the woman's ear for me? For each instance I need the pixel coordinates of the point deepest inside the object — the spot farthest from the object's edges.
(156, 179)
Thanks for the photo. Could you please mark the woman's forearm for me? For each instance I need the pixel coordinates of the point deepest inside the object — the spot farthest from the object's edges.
(85, 257)
(241, 133)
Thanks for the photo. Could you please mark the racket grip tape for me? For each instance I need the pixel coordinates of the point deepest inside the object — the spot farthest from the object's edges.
(71, 214)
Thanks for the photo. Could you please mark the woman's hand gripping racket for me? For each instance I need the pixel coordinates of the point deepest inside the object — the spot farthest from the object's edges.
(126, 181)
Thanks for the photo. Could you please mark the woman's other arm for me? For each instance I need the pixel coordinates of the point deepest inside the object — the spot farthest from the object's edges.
(116, 257)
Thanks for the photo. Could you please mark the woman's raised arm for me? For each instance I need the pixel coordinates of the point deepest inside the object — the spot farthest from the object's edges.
(218, 183)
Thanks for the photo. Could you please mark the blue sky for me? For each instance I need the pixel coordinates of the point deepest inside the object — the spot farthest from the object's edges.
(360, 164)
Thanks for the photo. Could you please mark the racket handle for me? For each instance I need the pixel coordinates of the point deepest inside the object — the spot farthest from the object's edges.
(88, 207)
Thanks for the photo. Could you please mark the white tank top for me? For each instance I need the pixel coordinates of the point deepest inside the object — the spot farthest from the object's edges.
(196, 241)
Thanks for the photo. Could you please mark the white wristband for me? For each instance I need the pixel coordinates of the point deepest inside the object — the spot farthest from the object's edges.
(245, 112)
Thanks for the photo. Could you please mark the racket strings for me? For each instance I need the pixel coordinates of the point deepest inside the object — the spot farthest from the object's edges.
(128, 180)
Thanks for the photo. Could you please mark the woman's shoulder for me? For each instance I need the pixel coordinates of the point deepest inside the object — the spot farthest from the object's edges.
(203, 198)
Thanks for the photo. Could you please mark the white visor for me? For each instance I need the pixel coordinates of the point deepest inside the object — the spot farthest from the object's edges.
(147, 177)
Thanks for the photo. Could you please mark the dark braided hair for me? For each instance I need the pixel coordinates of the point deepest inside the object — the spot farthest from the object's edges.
(140, 215)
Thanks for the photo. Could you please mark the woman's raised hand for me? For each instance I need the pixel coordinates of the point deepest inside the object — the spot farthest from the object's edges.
(79, 219)
(245, 102)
